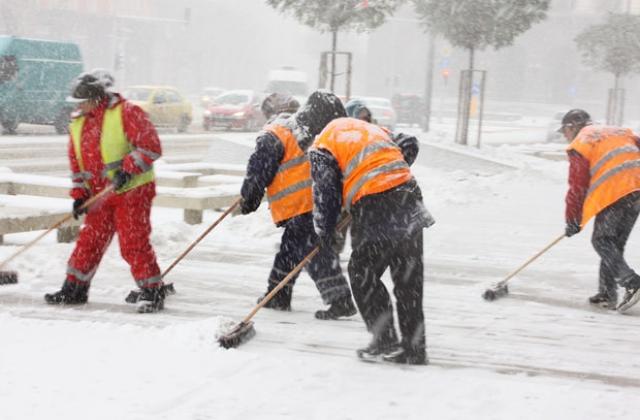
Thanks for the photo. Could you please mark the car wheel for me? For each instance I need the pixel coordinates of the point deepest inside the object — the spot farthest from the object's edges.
(61, 124)
(184, 124)
(9, 125)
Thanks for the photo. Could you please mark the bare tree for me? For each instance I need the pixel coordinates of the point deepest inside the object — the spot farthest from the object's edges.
(474, 25)
(613, 47)
(338, 15)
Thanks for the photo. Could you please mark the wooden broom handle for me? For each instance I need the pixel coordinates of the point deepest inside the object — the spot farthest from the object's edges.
(530, 260)
(201, 237)
(343, 224)
(56, 225)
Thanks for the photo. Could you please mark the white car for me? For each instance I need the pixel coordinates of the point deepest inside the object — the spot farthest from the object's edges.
(381, 110)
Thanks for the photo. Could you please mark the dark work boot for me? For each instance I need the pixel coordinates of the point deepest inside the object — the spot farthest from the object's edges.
(407, 356)
(380, 345)
(281, 301)
(631, 297)
(603, 300)
(151, 300)
(70, 294)
(339, 308)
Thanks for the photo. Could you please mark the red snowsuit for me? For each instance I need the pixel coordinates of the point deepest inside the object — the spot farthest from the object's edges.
(127, 213)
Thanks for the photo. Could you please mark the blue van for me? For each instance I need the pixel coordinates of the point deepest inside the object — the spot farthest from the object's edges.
(35, 76)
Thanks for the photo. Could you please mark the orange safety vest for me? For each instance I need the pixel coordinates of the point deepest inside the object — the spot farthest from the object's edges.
(614, 166)
(369, 160)
(289, 193)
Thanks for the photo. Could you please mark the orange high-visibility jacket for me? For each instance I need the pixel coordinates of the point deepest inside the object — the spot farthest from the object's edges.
(614, 165)
(289, 193)
(369, 160)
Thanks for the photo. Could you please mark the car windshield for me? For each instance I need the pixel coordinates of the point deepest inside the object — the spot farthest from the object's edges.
(288, 87)
(137, 94)
(232, 99)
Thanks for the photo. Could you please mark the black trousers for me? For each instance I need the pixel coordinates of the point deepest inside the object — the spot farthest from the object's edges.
(611, 231)
(298, 240)
(404, 257)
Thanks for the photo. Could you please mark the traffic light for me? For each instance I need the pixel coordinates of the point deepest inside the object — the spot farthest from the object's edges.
(445, 74)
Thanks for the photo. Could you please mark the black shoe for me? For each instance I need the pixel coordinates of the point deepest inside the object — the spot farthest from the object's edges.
(604, 301)
(339, 308)
(151, 300)
(378, 347)
(631, 297)
(280, 302)
(405, 356)
(70, 294)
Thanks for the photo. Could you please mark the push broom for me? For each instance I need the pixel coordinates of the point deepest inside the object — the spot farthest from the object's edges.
(501, 289)
(245, 330)
(10, 277)
(134, 295)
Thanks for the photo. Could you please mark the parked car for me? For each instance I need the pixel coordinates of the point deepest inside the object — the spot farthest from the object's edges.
(208, 94)
(165, 106)
(290, 81)
(34, 81)
(409, 108)
(381, 110)
(238, 109)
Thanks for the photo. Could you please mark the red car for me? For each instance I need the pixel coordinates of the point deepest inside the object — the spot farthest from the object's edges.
(238, 109)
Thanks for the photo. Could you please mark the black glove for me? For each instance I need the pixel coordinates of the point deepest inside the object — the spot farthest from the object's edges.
(120, 178)
(78, 210)
(249, 206)
(571, 229)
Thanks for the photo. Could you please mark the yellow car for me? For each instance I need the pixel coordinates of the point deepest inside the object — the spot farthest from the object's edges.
(165, 106)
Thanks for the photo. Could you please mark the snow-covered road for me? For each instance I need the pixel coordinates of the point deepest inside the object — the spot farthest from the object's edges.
(540, 353)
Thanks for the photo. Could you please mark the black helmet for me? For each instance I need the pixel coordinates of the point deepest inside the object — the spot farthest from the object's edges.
(321, 108)
(276, 103)
(90, 86)
(576, 118)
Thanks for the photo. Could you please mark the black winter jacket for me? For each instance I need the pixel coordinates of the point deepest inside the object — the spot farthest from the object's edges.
(265, 160)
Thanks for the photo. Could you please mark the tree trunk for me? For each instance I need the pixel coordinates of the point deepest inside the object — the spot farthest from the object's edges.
(615, 105)
(334, 47)
(428, 88)
(467, 87)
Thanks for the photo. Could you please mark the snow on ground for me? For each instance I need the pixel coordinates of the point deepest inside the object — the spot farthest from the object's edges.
(540, 353)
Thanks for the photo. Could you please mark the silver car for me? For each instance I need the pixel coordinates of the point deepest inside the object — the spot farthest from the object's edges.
(382, 111)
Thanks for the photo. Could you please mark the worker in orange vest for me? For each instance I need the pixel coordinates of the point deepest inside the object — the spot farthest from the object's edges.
(280, 165)
(356, 165)
(604, 181)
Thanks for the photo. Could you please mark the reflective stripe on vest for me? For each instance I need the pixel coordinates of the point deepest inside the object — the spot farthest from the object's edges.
(389, 167)
(114, 146)
(606, 158)
(289, 193)
(630, 164)
(369, 149)
(370, 162)
(614, 166)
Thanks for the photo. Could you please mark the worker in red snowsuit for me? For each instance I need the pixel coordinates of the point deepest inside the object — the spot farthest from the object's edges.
(112, 143)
